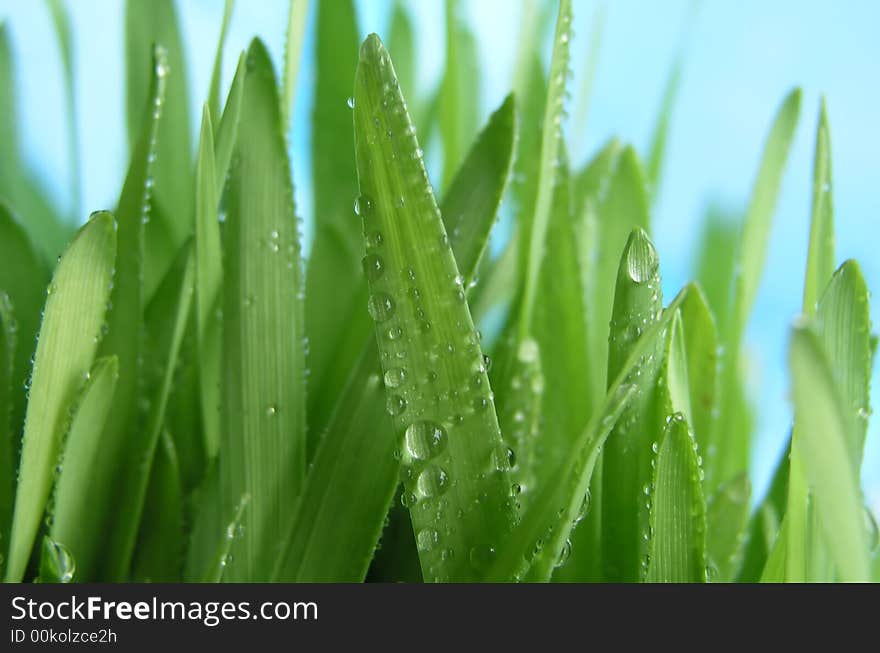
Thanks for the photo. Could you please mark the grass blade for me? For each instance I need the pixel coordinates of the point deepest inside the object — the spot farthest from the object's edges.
(449, 439)
(701, 349)
(72, 320)
(214, 88)
(828, 463)
(73, 516)
(401, 44)
(293, 46)
(8, 464)
(264, 393)
(820, 256)
(61, 23)
(585, 91)
(337, 330)
(170, 219)
(233, 530)
(226, 132)
(728, 452)
(678, 513)
(626, 459)
(727, 518)
(331, 537)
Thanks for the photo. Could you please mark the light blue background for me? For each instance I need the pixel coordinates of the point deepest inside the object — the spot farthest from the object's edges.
(743, 57)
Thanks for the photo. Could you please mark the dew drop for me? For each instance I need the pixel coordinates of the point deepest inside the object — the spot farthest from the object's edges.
(380, 306)
(363, 206)
(424, 439)
(394, 377)
(373, 266)
(584, 509)
(427, 539)
(395, 404)
(564, 554)
(374, 240)
(350, 102)
(271, 410)
(432, 482)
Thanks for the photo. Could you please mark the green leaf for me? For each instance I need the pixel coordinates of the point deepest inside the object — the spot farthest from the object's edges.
(449, 441)
(716, 261)
(18, 186)
(626, 459)
(402, 46)
(69, 335)
(820, 256)
(263, 382)
(171, 198)
(536, 545)
(701, 350)
(159, 554)
(226, 132)
(23, 277)
(459, 98)
(8, 463)
(336, 330)
(214, 89)
(827, 460)
(209, 279)
(728, 452)
(678, 511)
(57, 564)
(333, 538)
(293, 46)
(61, 23)
(232, 531)
(727, 518)
(74, 522)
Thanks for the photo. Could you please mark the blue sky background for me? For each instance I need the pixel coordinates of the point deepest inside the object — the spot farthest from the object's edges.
(743, 57)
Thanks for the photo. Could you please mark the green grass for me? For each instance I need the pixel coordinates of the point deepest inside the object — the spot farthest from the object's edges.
(183, 397)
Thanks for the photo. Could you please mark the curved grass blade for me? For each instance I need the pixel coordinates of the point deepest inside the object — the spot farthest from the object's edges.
(727, 518)
(73, 514)
(170, 219)
(827, 460)
(820, 256)
(332, 537)
(626, 459)
(336, 330)
(214, 88)
(438, 397)
(728, 452)
(57, 564)
(159, 554)
(534, 548)
(165, 319)
(209, 277)
(227, 130)
(701, 350)
(293, 46)
(69, 335)
(23, 277)
(61, 23)
(8, 463)
(678, 512)
(459, 98)
(18, 186)
(264, 389)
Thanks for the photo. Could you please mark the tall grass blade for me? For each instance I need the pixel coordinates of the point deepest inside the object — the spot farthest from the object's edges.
(214, 88)
(8, 463)
(293, 46)
(820, 256)
(727, 518)
(264, 391)
(69, 335)
(702, 353)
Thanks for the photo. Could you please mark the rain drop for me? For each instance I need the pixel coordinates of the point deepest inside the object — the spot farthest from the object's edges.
(373, 266)
(363, 206)
(424, 439)
(380, 306)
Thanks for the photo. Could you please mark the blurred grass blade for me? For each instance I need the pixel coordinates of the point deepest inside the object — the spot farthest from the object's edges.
(209, 277)
(716, 263)
(264, 393)
(226, 131)
(165, 319)
(459, 100)
(331, 537)
(8, 463)
(233, 530)
(701, 350)
(170, 219)
(69, 335)
(159, 554)
(828, 463)
(727, 518)
(336, 330)
(585, 90)
(18, 187)
(820, 256)
(214, 88)
(61, 23)
(73, 517)
(402, 46)
(539, 541)
(626, 459)
(728, 452)
(57, 564)
(23, 277)
(534, 227)
(678, 511)
(449, 442)
(293, 46)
